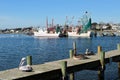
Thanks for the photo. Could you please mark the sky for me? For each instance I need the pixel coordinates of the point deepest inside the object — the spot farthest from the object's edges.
(25, 13)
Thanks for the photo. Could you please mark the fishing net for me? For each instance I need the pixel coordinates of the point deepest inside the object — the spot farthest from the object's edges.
(86, 22)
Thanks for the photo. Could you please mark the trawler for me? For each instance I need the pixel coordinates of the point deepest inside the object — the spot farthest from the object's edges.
(83, 31)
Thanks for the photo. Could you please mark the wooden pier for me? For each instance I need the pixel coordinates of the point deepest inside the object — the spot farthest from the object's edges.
(52, 70)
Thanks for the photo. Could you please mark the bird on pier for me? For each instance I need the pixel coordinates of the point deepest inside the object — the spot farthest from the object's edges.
(26, 68)
(89, 52)
(79, 56)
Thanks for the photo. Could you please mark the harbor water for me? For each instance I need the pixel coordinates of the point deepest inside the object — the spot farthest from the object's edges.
(15, 46)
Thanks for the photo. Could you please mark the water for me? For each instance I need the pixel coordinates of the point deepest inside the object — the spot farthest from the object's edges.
(15, 46)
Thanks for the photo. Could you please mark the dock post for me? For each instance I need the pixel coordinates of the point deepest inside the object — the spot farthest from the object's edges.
(29, 60)
(64, 70)
(119, 69)
(71, 76)
(71, 54)
(74, 48)
(118, 48)
(102, 68)
(99, 49)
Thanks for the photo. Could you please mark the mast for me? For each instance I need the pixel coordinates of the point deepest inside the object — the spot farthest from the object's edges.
(71, 22)
(52, 22)
(47, 22)
(66, 20)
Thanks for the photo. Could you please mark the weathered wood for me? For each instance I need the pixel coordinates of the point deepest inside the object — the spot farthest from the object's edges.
(71, 57)
(53, 69)
(100, 75)
(118, 48)
(64, 70)
(119, 69)
(102, 67)
(29, 60)
(102, 59)
(74, 48)
(99, 49)
(71, 54)
(72, 76)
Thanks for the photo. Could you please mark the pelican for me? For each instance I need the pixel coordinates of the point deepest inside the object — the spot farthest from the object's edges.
(26, 68)
(79, 57)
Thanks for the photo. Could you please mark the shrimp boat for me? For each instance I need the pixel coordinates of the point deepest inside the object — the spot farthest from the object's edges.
(52, 31)
(83, 31)
(45, 33)
(74, 34)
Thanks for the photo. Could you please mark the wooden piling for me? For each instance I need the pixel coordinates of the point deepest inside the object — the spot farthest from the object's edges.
(99, 50)
(119, 69)
(102, 68)
(64, 70)
(118, 48)
(100, 75)
(71, 76)
(71, 54)
(74, 48)
(29, 60)
(102, 60)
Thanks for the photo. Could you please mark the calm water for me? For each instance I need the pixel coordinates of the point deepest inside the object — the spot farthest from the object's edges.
(13, 47)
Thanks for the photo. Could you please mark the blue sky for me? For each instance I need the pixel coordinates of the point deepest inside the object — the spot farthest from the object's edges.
(21, 13)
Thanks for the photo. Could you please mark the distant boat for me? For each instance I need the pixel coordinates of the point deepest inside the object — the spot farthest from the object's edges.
(44, 33)
(74, 34)
(83, 31)
(58, 32)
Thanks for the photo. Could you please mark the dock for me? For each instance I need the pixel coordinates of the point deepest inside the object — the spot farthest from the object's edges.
(52, 70)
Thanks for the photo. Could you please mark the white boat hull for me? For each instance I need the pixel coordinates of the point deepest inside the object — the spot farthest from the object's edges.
(74, 34)
(70, 34)
(44, 34)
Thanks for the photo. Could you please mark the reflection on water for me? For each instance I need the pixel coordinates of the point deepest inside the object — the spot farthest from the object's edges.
(14, 47)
